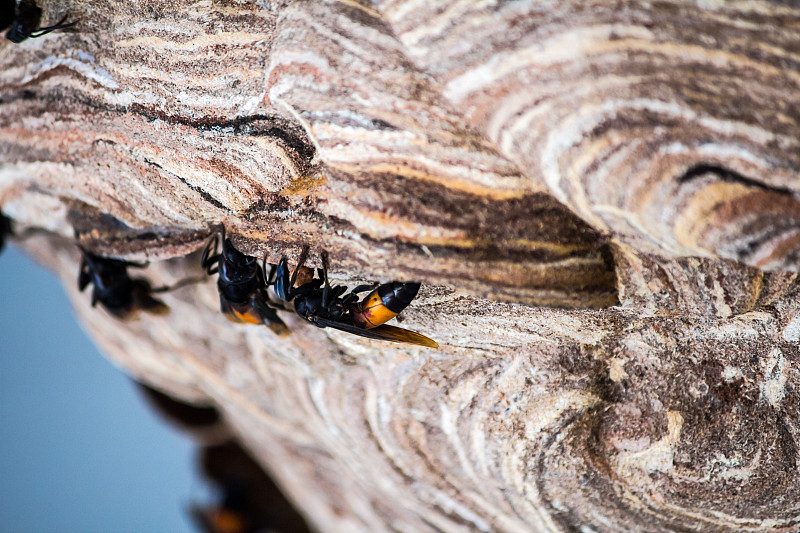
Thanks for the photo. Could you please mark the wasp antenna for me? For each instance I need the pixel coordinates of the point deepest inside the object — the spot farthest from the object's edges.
(58, 26)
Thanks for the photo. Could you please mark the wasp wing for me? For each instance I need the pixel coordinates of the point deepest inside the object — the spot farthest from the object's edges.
(383, 332)
(405, 335)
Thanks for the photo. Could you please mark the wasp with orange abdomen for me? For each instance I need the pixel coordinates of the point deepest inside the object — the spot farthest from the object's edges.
(328, 306)
(242, 285)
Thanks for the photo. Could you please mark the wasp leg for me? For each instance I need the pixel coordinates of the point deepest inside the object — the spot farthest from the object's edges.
(57, 26)
(364, 288)
(136, 265)
(333, 292)
(88, 267)
(210, 256)
(300, 261)
(271, 277)
(83, 276)
(349, 300)
(326, 287)
(267, 277)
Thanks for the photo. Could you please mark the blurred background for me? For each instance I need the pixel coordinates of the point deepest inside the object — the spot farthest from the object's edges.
(83, 448)
(80, 450)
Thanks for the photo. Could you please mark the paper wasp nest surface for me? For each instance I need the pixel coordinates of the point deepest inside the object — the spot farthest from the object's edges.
(601, 201)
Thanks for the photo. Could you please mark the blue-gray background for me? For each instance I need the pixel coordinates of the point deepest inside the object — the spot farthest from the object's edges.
(79, 449)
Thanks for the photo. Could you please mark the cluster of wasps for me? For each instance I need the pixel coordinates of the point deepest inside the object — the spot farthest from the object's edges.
(244, 292)
(244, 297)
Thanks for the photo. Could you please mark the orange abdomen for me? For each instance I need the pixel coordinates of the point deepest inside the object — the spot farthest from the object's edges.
(384, 303)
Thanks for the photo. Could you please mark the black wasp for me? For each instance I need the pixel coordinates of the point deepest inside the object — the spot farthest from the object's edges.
(326, 306)
(24, 20)
(115, 290)
(242, 286)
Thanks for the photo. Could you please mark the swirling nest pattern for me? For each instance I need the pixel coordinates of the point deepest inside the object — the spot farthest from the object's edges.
(634, 166)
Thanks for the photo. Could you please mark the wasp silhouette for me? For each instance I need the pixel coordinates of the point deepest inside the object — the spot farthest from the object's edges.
(116, 291)
(248, 501)
(5, 230)
(24, 20)
(328, 306)
(242, 285)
